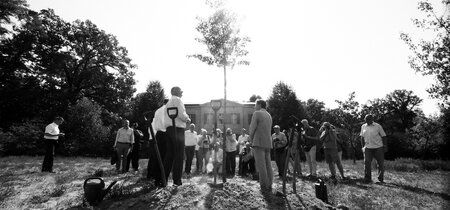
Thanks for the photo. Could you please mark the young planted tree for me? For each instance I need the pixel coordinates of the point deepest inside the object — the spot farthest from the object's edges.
(225, 45)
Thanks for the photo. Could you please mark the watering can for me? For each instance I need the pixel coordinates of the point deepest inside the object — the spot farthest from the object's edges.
(94, 191)
(321, 190)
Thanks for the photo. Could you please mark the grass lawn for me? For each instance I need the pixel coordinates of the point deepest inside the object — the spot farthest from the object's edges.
(408, 186)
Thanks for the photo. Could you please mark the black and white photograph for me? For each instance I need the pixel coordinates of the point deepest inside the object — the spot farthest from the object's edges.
(224, 104)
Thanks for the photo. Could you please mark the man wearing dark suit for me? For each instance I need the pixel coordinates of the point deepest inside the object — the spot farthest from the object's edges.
(261, 138)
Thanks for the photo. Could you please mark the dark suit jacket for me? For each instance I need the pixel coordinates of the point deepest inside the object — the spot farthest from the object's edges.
(260, 129)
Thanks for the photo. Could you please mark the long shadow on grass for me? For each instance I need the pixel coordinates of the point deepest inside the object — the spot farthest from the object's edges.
(351, 181)
(418, 190)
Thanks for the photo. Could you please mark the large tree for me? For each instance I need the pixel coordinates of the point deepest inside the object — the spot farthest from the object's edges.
(432, 57)
(65, 62)
(396, 111)
(283, 103)
(10, 9)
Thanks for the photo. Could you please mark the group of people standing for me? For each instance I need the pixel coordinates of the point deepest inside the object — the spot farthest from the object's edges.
(176, 144)
(305, 139)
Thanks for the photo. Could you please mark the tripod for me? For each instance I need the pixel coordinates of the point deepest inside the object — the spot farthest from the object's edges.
(292, 134)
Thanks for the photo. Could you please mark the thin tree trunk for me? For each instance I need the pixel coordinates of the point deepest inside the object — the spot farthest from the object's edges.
(224, 179)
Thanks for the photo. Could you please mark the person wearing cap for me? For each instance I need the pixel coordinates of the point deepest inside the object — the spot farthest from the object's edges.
(191, 140)
(51, 136)
(279, 141)
(329, 138)
(260, 136)
(310, 138)
(123, 145)
(173, 160)
(230, 149)
(373, 139)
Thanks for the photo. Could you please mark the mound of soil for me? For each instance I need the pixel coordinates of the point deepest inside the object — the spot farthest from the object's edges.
(198, 192)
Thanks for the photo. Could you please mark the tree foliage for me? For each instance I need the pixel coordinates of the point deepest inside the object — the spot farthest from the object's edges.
(282, 103)
(315, 111)
(221, 36)
(432, 57)
(254, 97)
(396, 111)
(148, 101)
(11, 9)
(65, 62)
(350, 120)
(88, 135)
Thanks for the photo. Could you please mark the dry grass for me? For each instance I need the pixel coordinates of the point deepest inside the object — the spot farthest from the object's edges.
(410, 184)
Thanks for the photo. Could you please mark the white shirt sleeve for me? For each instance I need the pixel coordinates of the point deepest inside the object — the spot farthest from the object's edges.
(381, 131)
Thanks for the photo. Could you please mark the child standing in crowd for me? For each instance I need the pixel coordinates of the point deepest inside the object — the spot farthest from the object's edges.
(217, 159)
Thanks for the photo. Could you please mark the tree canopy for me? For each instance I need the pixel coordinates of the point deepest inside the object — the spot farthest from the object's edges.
(65, 62)
(432, 57)
(282, 103)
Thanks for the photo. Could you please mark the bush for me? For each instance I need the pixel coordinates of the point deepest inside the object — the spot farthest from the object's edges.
(86, 134)
(22, 139)
(7, 140)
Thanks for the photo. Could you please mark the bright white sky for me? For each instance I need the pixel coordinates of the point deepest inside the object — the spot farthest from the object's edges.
(323, 49)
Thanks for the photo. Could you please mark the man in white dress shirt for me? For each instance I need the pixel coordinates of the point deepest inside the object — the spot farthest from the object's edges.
(51, 137)
(153, 170)
(173, 160)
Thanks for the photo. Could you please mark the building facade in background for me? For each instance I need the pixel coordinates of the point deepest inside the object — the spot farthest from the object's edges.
(239, 115)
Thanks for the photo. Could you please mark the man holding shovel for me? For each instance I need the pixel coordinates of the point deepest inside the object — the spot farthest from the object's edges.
(173, 160)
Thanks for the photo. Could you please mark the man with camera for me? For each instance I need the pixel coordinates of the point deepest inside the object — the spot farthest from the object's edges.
(329, 138)
(310, 138)
(279, 145)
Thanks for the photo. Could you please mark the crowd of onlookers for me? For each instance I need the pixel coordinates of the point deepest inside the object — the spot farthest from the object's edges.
(172, 146)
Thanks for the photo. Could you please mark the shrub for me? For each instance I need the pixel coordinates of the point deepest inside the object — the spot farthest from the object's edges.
(7, 140)
(86, 134)
(25, 138)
